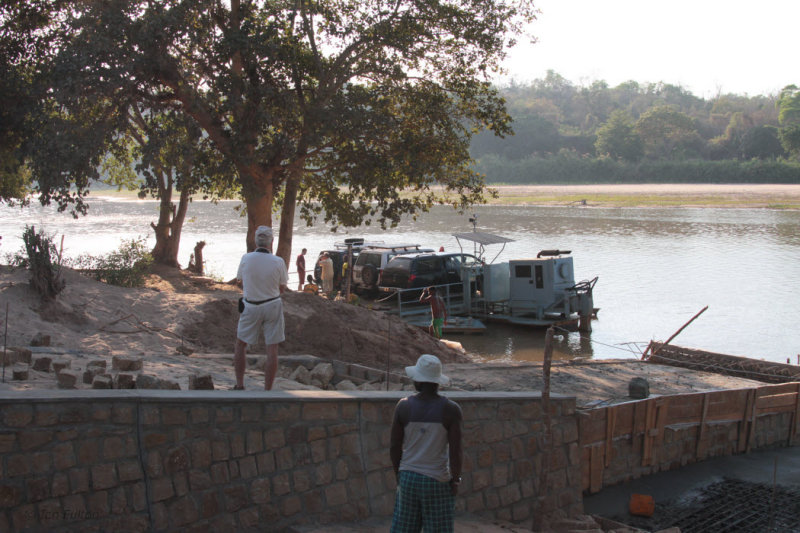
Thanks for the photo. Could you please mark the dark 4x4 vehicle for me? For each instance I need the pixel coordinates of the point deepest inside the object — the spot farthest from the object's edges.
(423, 270)
(372, 260)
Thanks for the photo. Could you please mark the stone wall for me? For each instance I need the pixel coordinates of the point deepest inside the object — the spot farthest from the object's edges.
(236, 461)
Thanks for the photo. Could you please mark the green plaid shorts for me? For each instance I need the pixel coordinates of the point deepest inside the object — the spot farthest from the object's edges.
(422, 503)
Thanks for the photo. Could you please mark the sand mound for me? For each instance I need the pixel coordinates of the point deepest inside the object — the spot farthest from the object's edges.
(176, 309)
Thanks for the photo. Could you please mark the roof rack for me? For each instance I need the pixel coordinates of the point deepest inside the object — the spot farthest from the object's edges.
(356, 242)
(393, 247)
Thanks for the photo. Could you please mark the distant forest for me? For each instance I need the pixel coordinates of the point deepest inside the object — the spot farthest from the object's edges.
(634, 133)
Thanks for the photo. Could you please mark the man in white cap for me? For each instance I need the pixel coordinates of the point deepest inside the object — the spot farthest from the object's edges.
(264, 278)
(426, 452)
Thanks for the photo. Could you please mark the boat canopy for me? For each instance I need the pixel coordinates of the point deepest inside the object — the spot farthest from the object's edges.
(481, 240)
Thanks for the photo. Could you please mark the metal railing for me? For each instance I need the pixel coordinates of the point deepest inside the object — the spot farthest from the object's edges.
(453, 300)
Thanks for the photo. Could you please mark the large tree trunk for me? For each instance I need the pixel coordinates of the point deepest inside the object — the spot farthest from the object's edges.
(258, 197)
(162, 228)
(176, 226)
(289, 207)
(287, 220)
(170, 223)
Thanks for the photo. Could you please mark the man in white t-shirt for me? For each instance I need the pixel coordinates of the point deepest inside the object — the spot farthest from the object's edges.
(264, 278)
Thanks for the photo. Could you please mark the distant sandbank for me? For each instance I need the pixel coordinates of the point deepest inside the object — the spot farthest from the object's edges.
(775, 196)
(771, 196)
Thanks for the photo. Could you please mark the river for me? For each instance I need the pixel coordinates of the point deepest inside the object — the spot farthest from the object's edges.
(656, 267)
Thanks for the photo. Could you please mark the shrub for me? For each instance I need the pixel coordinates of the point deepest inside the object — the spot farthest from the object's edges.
(125, 267)
(45, 273)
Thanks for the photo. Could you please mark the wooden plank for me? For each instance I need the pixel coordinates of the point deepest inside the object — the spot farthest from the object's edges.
(745, 423)
(586, 468)
(662, 415)
(596, 469)
(700, 448)
(686, 408)
(729, 396)
(719, 401)
(594, 427)
(777, 401)
(623, 422)
(639, 414)
(775, 410)
(728, 405)
(770, 390)
(611, 419)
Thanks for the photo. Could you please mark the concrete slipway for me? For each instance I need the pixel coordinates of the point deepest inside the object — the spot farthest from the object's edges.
(769, 472)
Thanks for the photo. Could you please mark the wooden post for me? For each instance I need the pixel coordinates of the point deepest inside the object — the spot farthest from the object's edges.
(585, 312)
(699, 448)
(388, 349)
(349, 272)
(744, 429)
(649, 423)
(751, 434)
(595, 469)
(5, 343)
(703, 310)
(793, 427)
(547, 438)
(639, 426)
(611, 422)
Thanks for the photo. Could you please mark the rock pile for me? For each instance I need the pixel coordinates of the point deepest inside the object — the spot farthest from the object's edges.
(126, 372)
(65, 369)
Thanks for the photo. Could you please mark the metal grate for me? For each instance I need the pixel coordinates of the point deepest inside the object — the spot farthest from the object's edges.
(731, 506)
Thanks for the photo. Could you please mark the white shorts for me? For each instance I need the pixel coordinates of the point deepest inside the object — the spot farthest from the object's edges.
(266, 317)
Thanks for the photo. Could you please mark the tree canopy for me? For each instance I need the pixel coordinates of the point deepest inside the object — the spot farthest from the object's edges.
(789, 117)
(668, 133)
(618, 138)
(167, 154)
(337, 105)
(564, 134)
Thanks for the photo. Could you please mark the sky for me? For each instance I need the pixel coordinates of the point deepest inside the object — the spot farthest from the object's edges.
(709, 47)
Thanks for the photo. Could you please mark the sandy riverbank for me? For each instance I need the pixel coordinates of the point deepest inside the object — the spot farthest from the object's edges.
(775, 196)
(181, 325)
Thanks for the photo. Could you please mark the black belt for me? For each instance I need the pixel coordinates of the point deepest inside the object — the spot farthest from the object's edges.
(261, 301)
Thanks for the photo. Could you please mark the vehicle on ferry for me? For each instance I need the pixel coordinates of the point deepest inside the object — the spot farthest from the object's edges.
(420, 270)
(371, 262)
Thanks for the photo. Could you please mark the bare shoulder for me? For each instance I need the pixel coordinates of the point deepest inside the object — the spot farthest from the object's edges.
(403, 405)
(401, 410)
(452, 410)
